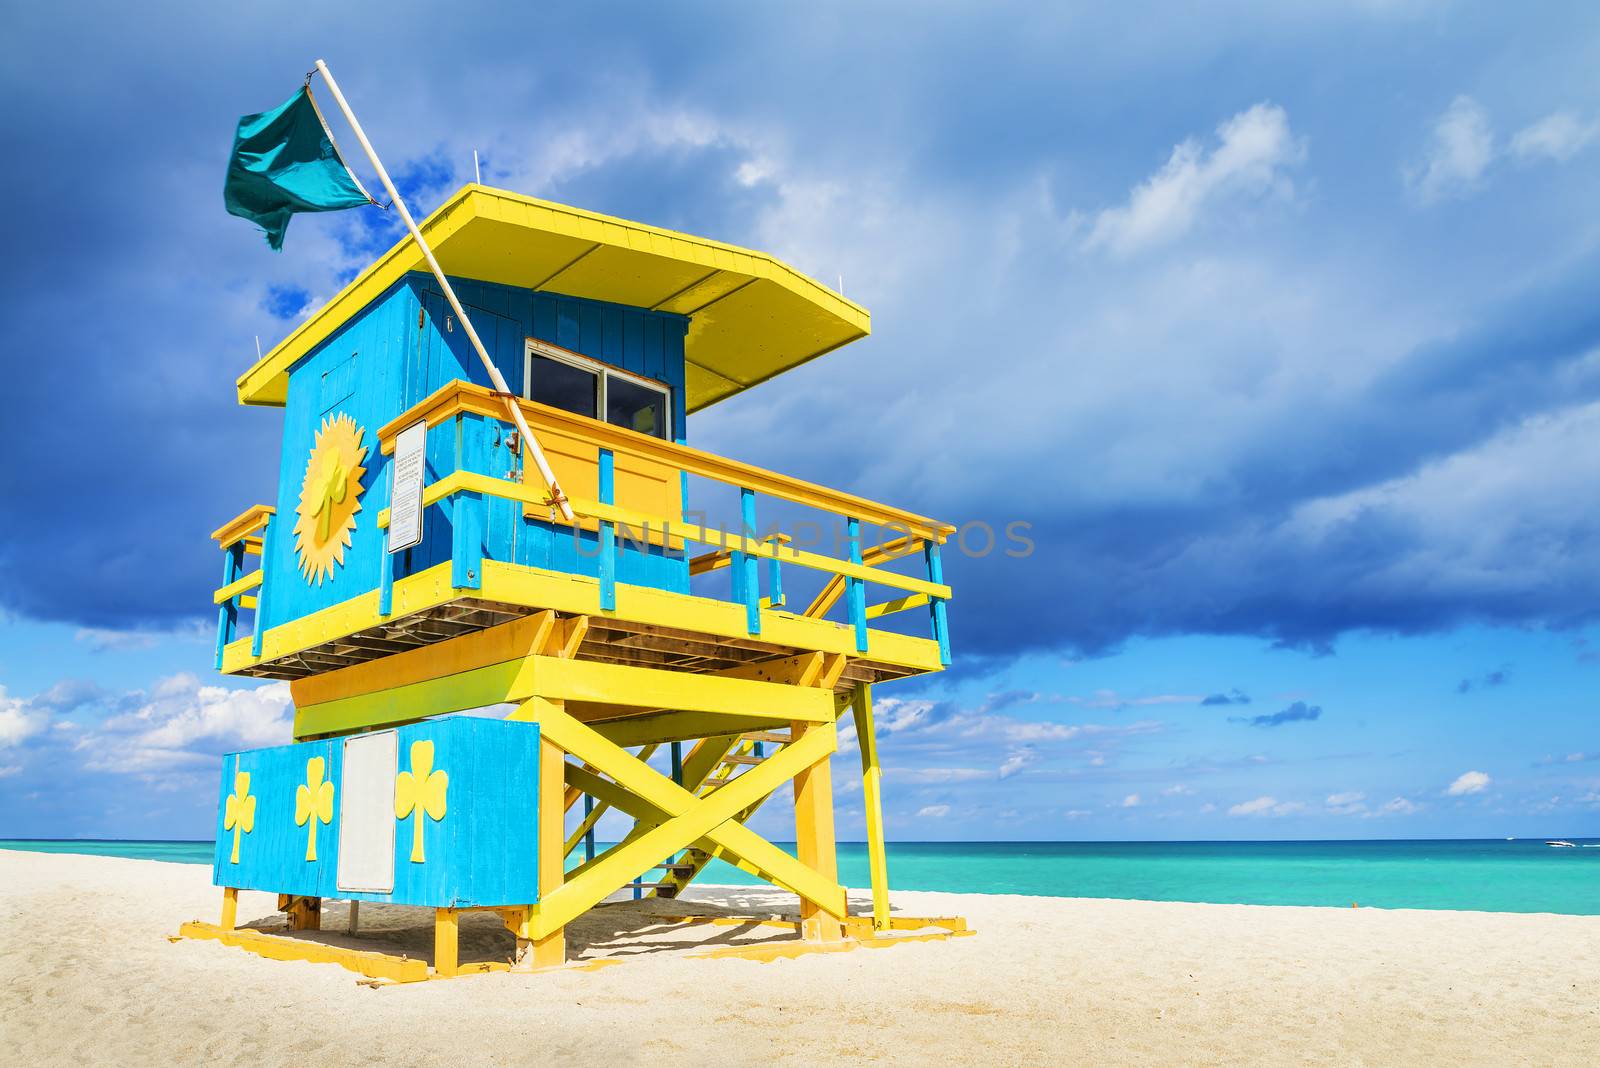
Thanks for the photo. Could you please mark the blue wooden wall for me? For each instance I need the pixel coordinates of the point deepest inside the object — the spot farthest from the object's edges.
(383, 362)
(483, 852)
(644, 342)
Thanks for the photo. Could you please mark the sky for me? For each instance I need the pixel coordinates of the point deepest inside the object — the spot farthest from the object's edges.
(1276, 326)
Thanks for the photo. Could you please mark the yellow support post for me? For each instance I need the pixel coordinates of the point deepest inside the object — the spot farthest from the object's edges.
(551, 949)
(814, 840)
(230, 908)
(445, 942)
(304, 913)
(872, 801)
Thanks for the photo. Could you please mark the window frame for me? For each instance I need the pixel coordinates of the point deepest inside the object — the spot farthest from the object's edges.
(532, 347)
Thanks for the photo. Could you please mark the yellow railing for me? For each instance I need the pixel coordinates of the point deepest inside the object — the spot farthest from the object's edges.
(738, 550)
(247, 532)
(459, 397)
(631, 521)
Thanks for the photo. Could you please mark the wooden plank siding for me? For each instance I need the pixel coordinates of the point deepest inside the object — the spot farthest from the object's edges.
(401, 348)
(482, 851)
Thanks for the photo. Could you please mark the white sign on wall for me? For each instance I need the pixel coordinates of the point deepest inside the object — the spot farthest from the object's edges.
(405, 488)
(366, 813)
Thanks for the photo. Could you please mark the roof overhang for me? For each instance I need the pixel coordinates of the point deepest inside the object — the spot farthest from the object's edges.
(751, 316)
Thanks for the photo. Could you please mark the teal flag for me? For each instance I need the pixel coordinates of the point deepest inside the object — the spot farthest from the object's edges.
(285, 161)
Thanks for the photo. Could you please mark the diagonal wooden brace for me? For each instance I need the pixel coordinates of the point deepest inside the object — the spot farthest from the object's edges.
(701, 762)
(689, 819)
(588, 822)
(647, 816)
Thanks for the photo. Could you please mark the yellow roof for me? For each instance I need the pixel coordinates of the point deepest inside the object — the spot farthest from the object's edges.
(751, 316)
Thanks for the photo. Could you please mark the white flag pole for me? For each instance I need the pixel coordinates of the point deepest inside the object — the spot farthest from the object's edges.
(556, 496)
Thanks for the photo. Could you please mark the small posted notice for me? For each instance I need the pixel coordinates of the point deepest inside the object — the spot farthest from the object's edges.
(405, 496)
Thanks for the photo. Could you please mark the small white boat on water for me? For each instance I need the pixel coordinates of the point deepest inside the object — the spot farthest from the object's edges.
(1561, 843)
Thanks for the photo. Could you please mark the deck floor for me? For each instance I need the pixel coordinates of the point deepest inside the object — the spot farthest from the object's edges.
(609, 640)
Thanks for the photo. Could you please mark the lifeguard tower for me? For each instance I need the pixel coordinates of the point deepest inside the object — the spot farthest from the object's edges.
(412, 566)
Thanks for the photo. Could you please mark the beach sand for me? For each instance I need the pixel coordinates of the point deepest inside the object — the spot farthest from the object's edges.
(90, 977)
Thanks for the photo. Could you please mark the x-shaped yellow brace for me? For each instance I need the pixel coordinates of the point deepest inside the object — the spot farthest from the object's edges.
(680, 818)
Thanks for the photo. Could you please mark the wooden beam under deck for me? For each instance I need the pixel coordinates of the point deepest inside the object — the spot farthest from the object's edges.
(609, 639)
(511, 663)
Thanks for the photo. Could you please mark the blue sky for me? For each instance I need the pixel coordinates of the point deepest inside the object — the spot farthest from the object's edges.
(1278, 326)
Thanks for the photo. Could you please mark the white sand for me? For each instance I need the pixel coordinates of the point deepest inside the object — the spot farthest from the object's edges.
(91, 978)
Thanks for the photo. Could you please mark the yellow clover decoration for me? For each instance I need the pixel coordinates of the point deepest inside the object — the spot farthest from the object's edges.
(329, 497)
(239, 813)
(313, 801)
(420, 790)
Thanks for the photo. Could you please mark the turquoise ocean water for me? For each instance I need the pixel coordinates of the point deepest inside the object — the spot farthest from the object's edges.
(1487, 875)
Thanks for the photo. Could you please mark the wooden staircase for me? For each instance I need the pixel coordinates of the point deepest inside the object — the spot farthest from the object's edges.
(751, 749)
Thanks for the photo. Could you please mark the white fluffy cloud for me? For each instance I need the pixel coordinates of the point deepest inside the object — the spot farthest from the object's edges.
(933, 812)
(1460, 149)
(120, 641)
(1255, 150)
(1018, 759)
(950, 743)
(906, 717)
(182, 723)
(1265, 806)
(1449, 509)
(1469, 782)
(1349, 803)
(17, 720)
(184, 712)
(1354, 803)
(1558, 136)
(940, 775)
(178, 724)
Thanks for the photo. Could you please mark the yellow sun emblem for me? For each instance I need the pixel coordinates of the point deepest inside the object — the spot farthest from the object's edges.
(330, 497)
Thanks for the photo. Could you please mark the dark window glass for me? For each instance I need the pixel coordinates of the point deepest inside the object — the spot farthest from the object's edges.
(563, 386)
(636, 407)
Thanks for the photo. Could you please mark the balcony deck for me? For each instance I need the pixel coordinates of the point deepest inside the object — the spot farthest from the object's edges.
(650, 628)
(627, 624)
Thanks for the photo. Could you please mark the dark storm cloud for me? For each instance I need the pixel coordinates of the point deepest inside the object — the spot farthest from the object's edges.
(1489, 680)
(1167, 423)
(1299, 712)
